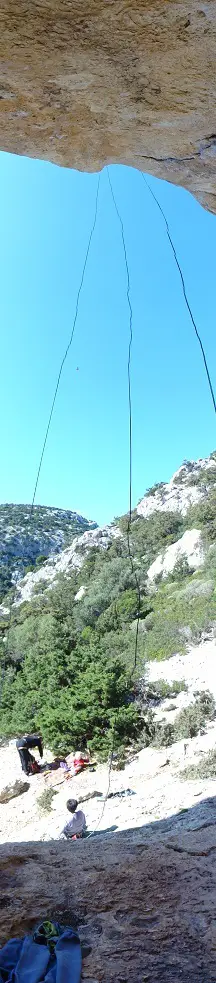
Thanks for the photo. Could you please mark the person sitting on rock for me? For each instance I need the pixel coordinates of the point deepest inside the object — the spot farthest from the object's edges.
(75, 829)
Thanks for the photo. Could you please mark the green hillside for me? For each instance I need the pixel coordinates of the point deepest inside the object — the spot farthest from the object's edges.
(68, 662)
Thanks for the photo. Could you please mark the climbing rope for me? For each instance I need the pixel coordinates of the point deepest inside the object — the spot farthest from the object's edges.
(110, 762)
(128, 533)
(130, 554)
(69, 343)
(199, 339)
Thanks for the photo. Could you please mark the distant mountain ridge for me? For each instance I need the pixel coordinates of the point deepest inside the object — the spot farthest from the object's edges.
(62, 540)
(24, 538)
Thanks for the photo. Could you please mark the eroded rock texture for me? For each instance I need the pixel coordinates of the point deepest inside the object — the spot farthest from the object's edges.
(144, 901)
(86, 82)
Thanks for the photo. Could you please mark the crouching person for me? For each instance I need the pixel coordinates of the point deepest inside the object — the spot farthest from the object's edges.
(76, 828)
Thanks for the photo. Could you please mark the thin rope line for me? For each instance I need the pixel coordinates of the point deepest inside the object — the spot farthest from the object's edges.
(130, 480)
(130, 412)
(130, 339)
(107, 791)
(69, 343)
(183, 288)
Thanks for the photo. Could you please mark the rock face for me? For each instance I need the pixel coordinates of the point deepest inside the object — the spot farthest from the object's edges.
(144, 901)
(83, 84)
(67, 560)
(189, 485)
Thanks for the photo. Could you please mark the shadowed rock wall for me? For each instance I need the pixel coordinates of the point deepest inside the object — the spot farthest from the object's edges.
(144, 901)
(97, 81)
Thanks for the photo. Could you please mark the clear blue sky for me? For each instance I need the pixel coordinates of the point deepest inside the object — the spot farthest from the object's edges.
(46, 214)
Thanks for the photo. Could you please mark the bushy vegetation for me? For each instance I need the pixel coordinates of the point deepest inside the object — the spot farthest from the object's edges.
(206, 768)
(69, 664)
(71, 682)
(181, 610)
(5, 580)
(44, 800)
(160, 689)
(188, 722)
(150, 536)
(158, 487)
(203, 516)
(204, 478)
(181, 570)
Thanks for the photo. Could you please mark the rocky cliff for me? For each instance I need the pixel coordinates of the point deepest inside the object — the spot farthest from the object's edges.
(188, 486)
(123, 81)
(26, 536)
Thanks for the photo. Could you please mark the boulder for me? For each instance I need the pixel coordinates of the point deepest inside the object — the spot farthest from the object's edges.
(12, 791)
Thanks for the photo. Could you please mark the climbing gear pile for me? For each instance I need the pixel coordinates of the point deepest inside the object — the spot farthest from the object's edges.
(52, 953)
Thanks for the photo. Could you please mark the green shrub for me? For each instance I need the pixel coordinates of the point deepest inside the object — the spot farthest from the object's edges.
(40, 560)
(203, 516)
(179, 478)
(164, 640)
(44, 800)
(207, 476)
(5, 580)
(181, 570)
(179, 614)
(158, 487)
(150, 536)
(163, 735)
(149, 621)
(160, 689)
(70, 688)
(188, 723)
(206, 768)
(199, 588)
